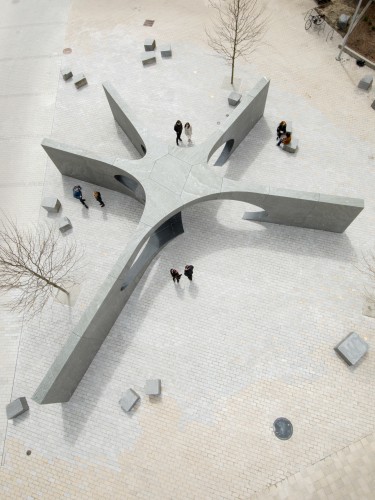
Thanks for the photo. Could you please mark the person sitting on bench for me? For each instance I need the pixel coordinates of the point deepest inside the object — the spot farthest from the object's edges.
(281, 129)
(285, 140)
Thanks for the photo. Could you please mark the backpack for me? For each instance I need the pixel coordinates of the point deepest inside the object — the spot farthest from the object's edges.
(77, 193)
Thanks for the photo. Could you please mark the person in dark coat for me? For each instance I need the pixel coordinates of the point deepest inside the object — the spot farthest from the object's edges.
(189, 271)
(178, 130)
(175, 275)
(98, 198)
(281, 129)
(77, 193)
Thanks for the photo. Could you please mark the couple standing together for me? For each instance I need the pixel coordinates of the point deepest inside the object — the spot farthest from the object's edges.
(178, 129)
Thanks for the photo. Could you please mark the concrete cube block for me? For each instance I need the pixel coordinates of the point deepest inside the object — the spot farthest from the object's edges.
(16, 408)
(51, 204)
(352, 348)
(64, 224)
(128, 400)
(153, 387)
(289, 127)
(148, 58)
(365, 83)
(149, 44)
(166, 50)
(234, 98)
(291, 147)
(80, 80)
(66, 73)
(343, 20)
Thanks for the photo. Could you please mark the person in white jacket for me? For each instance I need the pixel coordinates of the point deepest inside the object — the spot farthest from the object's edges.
(188, 131)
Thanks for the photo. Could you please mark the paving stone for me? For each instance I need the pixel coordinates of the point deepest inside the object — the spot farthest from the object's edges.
(64, 224)
(149, 45)
(66, 73)
(51, 204)
(80, 80)
(153, 387)
(148, 58)
(166, 50)
(291, 147)
(234, 98)
(365, 83)
(128, 400)
(16, 408)
(352, 348)
(343, 21)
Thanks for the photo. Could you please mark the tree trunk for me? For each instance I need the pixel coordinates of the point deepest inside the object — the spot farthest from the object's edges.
(51, 283)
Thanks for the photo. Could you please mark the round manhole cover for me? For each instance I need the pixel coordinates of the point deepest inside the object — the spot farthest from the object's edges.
(67, 51)
(283, 428)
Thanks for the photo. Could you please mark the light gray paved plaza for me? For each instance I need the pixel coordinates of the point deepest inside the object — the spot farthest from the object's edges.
(251, 338)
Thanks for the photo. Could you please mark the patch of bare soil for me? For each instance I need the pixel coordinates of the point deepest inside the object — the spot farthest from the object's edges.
(362, 40)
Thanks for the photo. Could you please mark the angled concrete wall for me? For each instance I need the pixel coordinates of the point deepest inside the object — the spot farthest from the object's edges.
(89, 167)
(124, 117)
(75, 357)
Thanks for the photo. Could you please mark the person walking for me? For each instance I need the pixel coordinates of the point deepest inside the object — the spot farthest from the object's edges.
(188, 131)
(98, 198)
(189, 271)
(178, 130)
(175, 275)
(77, 193)
(281, 129)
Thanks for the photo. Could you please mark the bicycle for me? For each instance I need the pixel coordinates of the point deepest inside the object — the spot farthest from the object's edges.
(317, 20)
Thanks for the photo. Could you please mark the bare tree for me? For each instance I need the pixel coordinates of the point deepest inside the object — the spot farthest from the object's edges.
(368, 268)
(238, 28)
(35, 264)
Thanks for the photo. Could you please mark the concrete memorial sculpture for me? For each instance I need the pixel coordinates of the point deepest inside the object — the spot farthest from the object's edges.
(166, 180)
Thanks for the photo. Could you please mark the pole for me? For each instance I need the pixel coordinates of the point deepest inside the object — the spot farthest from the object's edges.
(338, 58)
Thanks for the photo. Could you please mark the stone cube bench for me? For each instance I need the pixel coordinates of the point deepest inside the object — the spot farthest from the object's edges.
(66, 73)
(352, 348)
(64, 224)
(166, 50)
(16, 408)
(234, 98)
(365, 83)
(80, 80)
(51, 204)
(153, 387)
(150, 45)
(289, 127)
(291, 147)
(128, 400)
(148, 58)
